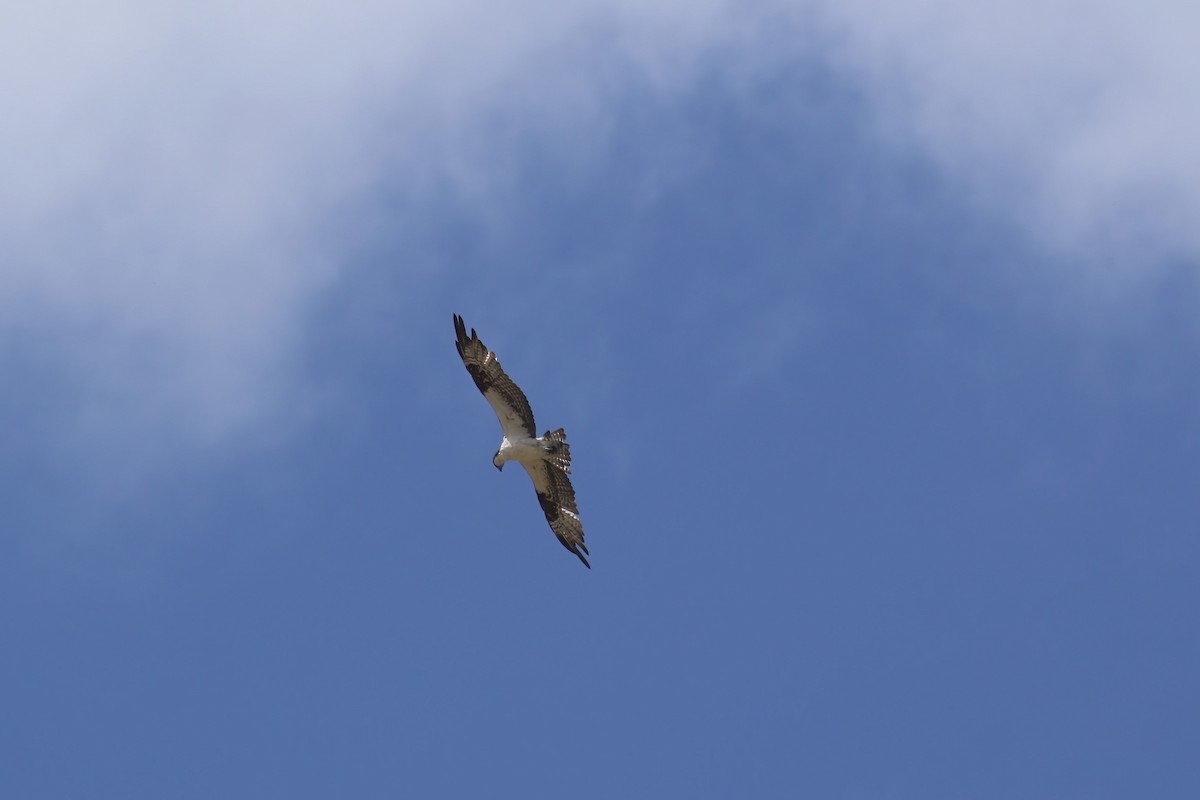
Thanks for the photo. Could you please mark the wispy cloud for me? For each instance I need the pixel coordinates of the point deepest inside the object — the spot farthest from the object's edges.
(170, 174)
(1076, 118)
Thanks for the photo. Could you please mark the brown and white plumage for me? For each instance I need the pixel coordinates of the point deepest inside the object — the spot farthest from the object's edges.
(547, 458)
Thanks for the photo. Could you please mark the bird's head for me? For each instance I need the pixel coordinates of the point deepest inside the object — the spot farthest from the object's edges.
(496, 462)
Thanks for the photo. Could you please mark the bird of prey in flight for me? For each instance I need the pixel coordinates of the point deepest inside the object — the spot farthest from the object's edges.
(547, 458)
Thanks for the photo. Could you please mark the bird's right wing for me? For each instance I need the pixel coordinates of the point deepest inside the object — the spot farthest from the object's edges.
(557, 498)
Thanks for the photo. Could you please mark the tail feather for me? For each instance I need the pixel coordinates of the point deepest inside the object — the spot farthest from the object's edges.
(558, 452)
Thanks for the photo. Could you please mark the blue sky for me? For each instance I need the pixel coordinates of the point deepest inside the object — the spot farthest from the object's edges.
(874, 333)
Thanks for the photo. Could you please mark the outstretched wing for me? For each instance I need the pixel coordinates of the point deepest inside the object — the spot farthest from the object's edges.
(504, 396)
(557, 497)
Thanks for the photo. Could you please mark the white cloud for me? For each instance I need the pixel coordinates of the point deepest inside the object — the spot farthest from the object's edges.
(1077, 117)
(170, 169)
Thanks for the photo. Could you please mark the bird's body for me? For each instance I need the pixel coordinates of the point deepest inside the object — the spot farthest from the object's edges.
(547, 458)
(527, 451)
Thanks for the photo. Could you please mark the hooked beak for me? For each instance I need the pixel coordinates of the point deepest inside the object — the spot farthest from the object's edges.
(500, 467)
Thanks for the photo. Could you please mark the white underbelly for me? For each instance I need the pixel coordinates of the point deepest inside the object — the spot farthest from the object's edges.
(526, 451)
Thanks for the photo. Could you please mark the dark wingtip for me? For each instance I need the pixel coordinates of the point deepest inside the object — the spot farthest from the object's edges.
(573, 547)
(460, 333)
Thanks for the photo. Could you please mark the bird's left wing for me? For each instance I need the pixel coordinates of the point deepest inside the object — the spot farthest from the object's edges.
(504, 396)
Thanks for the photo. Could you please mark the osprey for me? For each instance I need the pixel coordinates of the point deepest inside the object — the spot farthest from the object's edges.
(547, 458)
